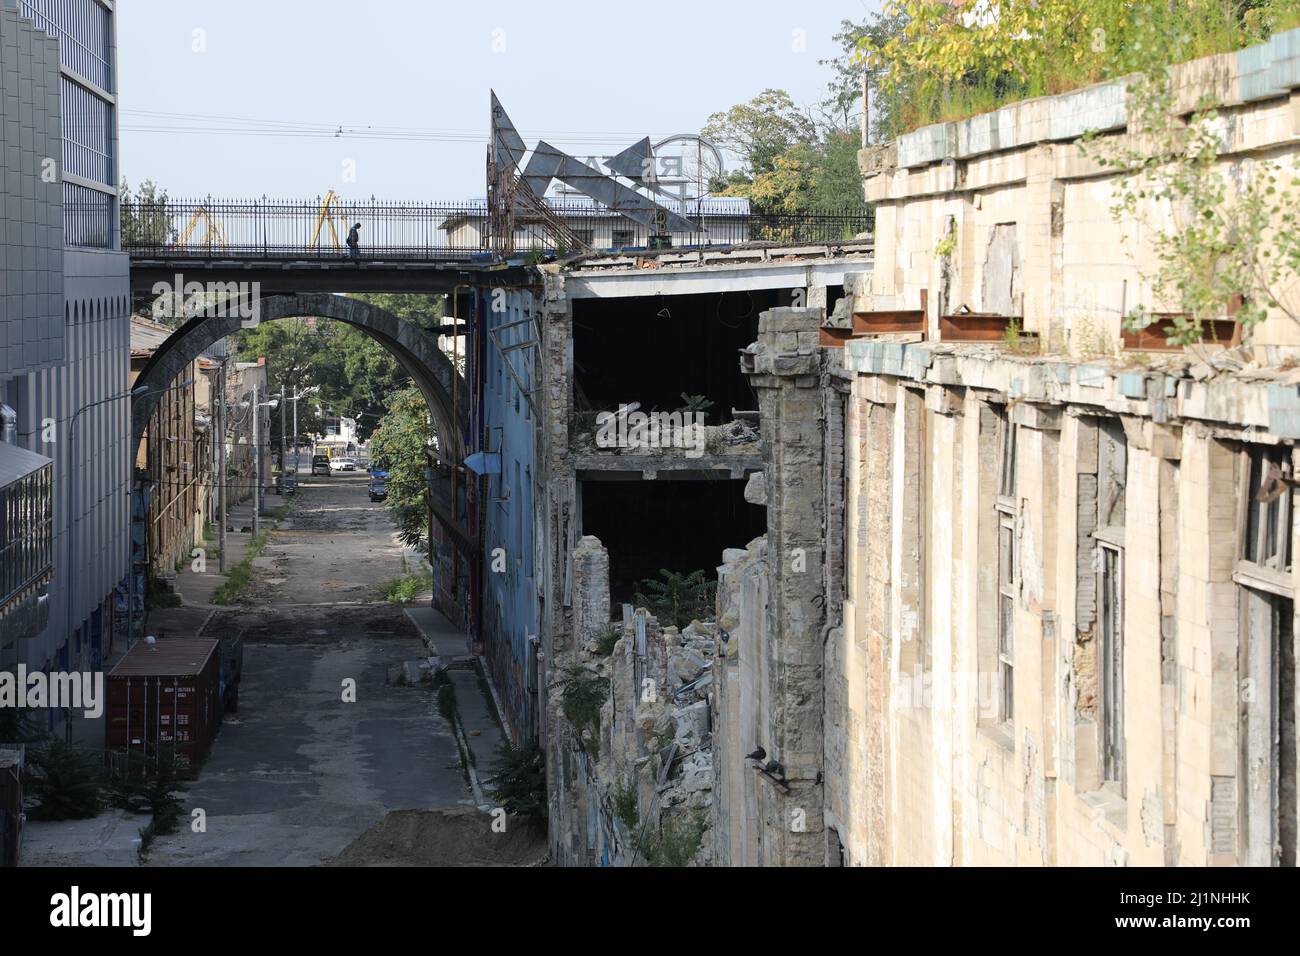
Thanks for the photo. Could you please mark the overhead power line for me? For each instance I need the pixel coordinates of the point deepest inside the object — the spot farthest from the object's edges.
(154, 121)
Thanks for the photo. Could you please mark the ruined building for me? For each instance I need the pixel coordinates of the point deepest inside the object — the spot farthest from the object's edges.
(1017, 583)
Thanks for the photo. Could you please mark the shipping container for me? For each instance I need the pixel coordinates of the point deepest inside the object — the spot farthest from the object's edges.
(166, 693)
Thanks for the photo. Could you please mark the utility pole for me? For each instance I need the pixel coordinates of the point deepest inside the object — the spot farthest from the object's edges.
(257, 459)
(284, 461)
(295, 398)
(221, 466)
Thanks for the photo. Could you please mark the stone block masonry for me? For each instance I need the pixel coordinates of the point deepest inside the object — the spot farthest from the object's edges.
(784, 368)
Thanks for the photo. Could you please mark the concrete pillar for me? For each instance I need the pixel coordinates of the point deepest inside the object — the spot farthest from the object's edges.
(784, 367)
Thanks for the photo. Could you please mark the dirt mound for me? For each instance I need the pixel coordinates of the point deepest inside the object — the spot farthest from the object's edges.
(460, 836)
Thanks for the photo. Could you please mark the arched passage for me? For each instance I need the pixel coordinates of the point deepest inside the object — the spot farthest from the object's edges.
(416, 350)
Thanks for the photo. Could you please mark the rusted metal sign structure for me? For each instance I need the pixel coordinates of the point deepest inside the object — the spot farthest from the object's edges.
(516, 192)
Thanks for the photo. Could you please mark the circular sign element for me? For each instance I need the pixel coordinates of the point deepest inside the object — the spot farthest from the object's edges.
(685, 164)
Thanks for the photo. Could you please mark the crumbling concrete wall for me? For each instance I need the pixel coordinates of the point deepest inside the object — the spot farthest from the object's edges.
(784, 367)
(559, 519)
(637, 788)
(740, 705)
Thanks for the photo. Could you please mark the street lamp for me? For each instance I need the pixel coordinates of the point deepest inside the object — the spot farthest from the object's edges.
(138, 392)
(295, 399)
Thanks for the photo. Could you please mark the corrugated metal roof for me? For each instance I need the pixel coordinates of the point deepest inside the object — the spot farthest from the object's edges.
(170, 657)
(17, 462)
(147, 336)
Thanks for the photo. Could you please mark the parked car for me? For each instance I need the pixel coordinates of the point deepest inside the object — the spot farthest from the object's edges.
(320, 464)
(343, 464)
(378, 485)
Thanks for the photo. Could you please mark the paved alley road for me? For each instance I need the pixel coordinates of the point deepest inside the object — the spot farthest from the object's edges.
(297, 774)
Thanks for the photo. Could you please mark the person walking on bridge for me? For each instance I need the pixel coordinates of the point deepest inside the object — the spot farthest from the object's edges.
(354, 242)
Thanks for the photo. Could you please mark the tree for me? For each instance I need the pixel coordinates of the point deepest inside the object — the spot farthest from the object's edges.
(144, 221)
(422, 309)
(980, 55)
(292, 348)
(842, 106)
(401, 442)
(679, 598)
(808, 177)
(144, 217)
(356, 374)
(761, 130)
(519, 781)
(67, 781)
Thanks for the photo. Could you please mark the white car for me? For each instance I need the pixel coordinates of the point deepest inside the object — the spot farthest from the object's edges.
(343, 464)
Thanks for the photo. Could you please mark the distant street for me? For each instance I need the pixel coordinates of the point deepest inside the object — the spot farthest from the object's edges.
(296, 775)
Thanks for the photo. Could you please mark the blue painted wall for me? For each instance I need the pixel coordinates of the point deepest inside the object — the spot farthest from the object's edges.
(510, 592)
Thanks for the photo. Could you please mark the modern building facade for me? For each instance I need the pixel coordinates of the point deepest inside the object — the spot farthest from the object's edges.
(65, 372)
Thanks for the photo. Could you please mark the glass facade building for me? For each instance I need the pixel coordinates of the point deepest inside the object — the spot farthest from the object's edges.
(87, 91)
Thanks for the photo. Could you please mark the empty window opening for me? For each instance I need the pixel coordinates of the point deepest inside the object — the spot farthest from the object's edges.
(834, 293)
(1005, 515)
(652, 349)
(1268, 509)
(679, 526)
(1268, 729)
(1099, 647)
(1267, 660)
(1112, 661)
(1112, 483)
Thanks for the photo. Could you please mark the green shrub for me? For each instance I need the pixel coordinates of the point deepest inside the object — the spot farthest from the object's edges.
(519, 781)
(406, 589)
(677, 842)
(678, 599)
(606, 637)
(583, 694)
(624, 801)
(68, 782)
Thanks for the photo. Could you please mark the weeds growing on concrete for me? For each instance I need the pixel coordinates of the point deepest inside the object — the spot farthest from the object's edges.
(676, 843)
(159, 793)
(406, 589)
(624, 802)
(446, 691)
(241, 575)
(605, 638)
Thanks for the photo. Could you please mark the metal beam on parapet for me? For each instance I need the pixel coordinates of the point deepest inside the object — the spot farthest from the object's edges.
(548, 163)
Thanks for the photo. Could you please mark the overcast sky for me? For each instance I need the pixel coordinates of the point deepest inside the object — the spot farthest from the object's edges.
(227, 79)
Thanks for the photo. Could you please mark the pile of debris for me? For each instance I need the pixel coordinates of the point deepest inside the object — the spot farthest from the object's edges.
(654, 774)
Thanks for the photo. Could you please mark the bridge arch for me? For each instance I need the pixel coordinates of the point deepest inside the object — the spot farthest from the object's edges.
(415, 349)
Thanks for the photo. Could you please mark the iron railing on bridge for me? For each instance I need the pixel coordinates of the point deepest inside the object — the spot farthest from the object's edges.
(317, 229)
